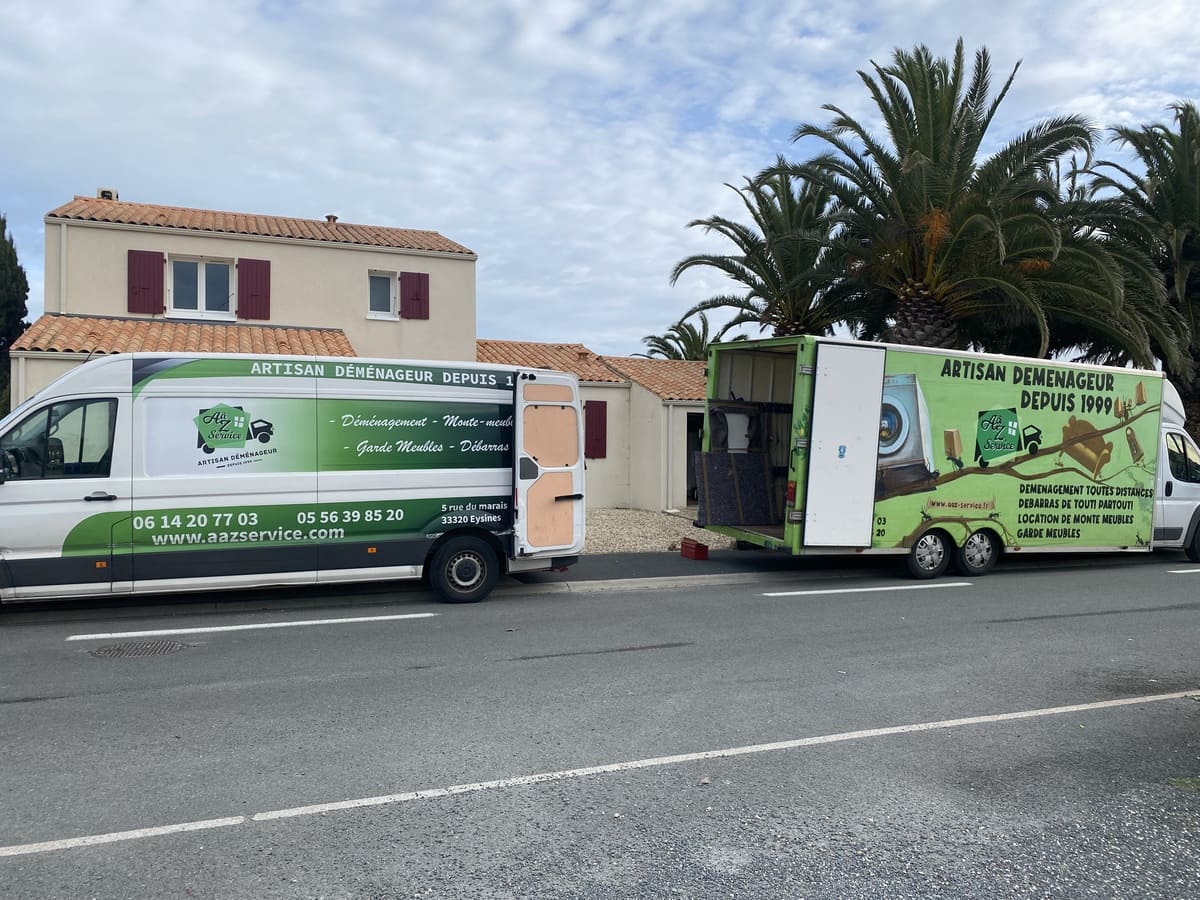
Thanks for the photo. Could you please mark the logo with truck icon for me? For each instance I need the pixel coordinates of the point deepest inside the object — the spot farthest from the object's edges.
(999, 433)
(229, 427)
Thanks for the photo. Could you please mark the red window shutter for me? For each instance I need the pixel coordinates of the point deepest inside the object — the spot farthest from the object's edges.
(254, 288)
(414, 295)
(147, 269)
(595, 429)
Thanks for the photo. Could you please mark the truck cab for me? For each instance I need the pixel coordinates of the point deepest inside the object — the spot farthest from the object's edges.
(1177, 497)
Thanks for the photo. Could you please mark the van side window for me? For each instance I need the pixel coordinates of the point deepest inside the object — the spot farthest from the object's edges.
(1183, 457)
(69, 439)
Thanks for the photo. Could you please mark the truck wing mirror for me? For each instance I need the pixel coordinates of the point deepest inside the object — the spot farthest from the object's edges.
(9, 467)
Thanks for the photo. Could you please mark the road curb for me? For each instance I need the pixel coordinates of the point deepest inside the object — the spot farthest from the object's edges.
(637, 584)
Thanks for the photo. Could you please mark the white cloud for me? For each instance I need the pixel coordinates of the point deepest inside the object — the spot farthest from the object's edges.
(567, 142)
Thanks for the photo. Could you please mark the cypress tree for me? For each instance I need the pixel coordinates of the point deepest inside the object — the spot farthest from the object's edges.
(14, 291)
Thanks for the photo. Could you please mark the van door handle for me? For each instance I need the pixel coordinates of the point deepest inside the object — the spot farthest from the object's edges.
(1169, 489)
(569, 497)
(100, 495)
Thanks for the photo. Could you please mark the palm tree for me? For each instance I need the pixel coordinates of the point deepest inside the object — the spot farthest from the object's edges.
(683, 340)
(1102, 240)
(1167, 198)
(936, 243)
(777, 265)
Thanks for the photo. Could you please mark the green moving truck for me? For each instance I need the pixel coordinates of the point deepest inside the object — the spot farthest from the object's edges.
(138, 473)
(818, 445)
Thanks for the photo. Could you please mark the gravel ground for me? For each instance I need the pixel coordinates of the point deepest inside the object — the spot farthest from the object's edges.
(643, 531)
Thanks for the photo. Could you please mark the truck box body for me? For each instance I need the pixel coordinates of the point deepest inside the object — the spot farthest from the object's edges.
(151, 472)
(825, 445)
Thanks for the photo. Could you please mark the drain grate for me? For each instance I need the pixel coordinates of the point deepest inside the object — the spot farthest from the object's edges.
(138, 648)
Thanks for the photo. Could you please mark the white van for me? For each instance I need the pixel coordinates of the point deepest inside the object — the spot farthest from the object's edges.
(140, 473)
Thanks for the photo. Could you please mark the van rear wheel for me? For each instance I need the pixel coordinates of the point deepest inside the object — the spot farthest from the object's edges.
(930, 555)
(464, 570)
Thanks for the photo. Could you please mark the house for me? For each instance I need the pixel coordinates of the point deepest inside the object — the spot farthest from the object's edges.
(666, 421)
(391, 292)
(642, 420)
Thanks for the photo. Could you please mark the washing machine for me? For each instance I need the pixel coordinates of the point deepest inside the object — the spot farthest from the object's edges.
(905, 438)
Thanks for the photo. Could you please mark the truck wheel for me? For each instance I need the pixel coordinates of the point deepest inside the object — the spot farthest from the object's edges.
(1193, 548)
(930, 555)
(464, 570)
(978, 554)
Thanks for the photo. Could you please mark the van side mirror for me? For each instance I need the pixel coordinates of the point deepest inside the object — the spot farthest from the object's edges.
(9, 467)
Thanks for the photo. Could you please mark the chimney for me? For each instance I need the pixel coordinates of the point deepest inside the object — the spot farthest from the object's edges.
(331, 219)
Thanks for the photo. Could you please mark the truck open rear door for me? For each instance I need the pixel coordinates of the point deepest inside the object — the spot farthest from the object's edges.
(845, 446)
(548, 477)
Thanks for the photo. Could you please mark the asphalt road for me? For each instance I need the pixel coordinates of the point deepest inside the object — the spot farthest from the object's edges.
(579, 737)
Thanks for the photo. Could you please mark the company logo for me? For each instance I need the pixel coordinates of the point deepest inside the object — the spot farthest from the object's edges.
(224, 427)
(999, 433)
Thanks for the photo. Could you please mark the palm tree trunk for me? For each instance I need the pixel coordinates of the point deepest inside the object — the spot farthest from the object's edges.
(921, 321)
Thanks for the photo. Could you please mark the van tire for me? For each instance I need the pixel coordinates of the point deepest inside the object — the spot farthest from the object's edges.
(978, 553)
(930, 555)
(464, 570)
(1193, 547)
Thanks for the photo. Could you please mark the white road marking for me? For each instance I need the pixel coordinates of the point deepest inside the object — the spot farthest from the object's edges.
(137, 834)
(315, 809)
(870, 590)
(1184, 571)
(164, 632)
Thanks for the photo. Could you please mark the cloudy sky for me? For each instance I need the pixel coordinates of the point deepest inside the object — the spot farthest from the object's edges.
(567, 143)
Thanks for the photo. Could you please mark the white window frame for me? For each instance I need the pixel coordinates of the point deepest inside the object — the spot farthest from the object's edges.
(393, 278)
(201, 312)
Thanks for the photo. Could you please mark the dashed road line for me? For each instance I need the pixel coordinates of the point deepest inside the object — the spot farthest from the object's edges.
(164, 632)
(871, 590)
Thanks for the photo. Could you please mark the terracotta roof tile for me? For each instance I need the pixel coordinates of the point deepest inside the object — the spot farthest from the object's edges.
(91, 209)
(671, 379)
(101, 334)
(574, 358)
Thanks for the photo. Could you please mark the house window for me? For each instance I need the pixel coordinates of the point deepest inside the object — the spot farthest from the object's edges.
(202, 288)
(382, 298)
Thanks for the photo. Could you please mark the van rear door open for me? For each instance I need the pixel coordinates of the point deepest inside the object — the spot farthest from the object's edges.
(549, 465)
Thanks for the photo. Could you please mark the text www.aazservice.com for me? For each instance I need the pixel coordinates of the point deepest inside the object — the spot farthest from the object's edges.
(269, 535)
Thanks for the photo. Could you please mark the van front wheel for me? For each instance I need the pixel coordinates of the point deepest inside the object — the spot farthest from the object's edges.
(930, 555)
(464, 570)
(1193, 548)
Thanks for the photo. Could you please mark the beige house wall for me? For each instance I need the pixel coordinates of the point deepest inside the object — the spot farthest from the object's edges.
(647, 432)
(606, 483)
(675, 453)
(29, 373)
(646, 465)
(313, 285)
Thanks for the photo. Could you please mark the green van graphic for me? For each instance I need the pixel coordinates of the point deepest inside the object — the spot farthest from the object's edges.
(229, 427)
